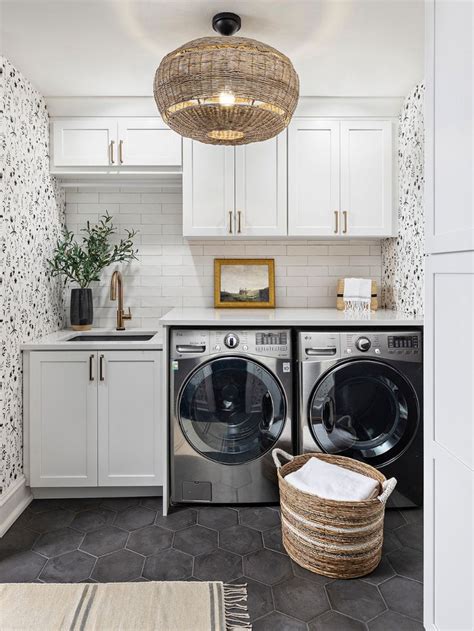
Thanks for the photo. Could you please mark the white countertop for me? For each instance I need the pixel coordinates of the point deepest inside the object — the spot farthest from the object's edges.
(60, 340)
(181, 316)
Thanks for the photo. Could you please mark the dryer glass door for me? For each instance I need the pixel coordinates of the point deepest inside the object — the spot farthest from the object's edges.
(364, 409)
(232, 410)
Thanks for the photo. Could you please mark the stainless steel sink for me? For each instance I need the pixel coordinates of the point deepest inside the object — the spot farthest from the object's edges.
(112, 337)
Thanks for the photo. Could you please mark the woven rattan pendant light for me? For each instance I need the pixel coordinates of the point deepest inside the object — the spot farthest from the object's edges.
(226, 90)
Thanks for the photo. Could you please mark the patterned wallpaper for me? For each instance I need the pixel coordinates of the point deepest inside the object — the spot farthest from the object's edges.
(32, 213)
(403, 257)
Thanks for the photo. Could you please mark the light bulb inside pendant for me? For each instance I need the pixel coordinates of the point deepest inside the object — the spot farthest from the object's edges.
(226, 98)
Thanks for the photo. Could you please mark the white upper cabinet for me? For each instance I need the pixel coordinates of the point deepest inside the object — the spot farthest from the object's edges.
(115, 143)
(208, 190)
(340, 178)
(313, 177)
(260, 188)
(235, 191)
(147, 142)
(366, 178)
(84, 141)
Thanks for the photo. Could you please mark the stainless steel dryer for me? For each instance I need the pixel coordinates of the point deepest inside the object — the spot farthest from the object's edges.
(361, 396)
(230, 405)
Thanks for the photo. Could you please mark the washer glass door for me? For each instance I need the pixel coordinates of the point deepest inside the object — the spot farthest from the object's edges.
(232, 410)
(364, 409)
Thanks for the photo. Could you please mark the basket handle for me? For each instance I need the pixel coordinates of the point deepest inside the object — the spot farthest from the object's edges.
(387, 488)
(279, 452)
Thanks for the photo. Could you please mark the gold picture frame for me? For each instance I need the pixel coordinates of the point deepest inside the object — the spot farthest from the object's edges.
(231, 288)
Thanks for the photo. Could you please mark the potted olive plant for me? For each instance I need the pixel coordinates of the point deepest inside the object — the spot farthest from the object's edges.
(83, 262)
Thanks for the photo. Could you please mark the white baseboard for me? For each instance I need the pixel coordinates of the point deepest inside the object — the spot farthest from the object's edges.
(13, 503)
(48, 493)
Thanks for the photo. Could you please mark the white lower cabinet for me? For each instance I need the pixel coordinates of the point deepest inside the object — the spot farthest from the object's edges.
(94, 419)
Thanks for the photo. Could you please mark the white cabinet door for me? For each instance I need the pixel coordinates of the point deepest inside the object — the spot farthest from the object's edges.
(313, 177)
(63, 419)
(208, 190)
(84, 142)
(366, 178)
(147, 142)
(450, 126)
(130, 442)
(260, 188)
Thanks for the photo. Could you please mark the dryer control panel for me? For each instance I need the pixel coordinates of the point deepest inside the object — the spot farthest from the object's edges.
(264, 342)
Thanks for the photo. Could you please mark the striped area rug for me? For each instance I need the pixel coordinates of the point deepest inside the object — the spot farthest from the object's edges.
(145, 606)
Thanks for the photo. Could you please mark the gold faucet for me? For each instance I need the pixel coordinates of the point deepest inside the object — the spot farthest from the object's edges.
(116, 286)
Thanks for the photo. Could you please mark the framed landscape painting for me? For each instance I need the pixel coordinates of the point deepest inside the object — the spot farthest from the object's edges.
(244, 283)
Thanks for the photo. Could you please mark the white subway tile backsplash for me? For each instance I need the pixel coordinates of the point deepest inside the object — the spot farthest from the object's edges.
(172, 271)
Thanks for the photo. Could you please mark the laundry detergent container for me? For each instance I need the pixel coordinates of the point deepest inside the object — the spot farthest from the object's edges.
(339, 539)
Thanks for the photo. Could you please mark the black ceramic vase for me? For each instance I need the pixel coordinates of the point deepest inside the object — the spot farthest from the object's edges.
(82, 312)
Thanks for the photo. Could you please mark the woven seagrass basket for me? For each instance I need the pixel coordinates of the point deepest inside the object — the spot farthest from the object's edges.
(333, 538)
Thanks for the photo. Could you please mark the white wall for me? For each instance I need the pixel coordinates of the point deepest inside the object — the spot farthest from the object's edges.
(173, 271)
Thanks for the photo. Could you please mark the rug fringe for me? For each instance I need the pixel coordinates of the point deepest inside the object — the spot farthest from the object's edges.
(235, 608)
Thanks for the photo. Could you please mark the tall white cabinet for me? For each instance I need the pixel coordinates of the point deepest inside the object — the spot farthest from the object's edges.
(340, 178)
(449, 323)
(235, 191)
(94, 419)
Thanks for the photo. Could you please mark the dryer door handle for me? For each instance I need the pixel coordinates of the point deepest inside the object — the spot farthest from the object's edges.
(268, 410)
(328, 415)
(326, 351)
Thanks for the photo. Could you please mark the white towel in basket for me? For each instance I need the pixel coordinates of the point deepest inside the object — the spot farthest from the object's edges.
(332, 481)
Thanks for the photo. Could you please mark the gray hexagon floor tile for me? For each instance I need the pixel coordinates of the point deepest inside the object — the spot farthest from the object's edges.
(195, 540)
(393, 519)
(382, 572)
(240, 539)
(150, 540)
(301, 599)
(267, 566)
(71, 567)
(276, 621)
(119, 503)
(218, 565)
(92, 519)
(177, 519)
(407, 562)
(42, 506)
(334, 621)
(15, 540)
(413, 515)
(79, 504)
(122, 565)
(356, 599)
(390, 542)
(259, 597)
(169, 565)
(104, 540)
(259, 517)
(404, 596)
(411, 535)
(52, 544)
(272, 540)
(21, 567)
(51, 520)
(217, 517)
(393, 621)
(302, 572)
(153, 503)
(134, 518)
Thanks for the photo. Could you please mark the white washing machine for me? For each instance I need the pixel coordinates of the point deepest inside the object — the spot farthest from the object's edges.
(230, 405)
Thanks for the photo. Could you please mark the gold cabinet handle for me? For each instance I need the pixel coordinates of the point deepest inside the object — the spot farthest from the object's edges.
(101, 368)
(336, 226)
(230, 221)
(91, 368)
(111, 152)
(121, 152)
(239, 222)
(344, 214)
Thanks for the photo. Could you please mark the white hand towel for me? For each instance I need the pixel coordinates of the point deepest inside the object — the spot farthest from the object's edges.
(332, 482)
(357, 289)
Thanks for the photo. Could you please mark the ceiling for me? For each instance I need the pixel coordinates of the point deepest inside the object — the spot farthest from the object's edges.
(112, 47)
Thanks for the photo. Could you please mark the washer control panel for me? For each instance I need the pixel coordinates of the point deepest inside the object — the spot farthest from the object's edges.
(265, 342)
(397, 345)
